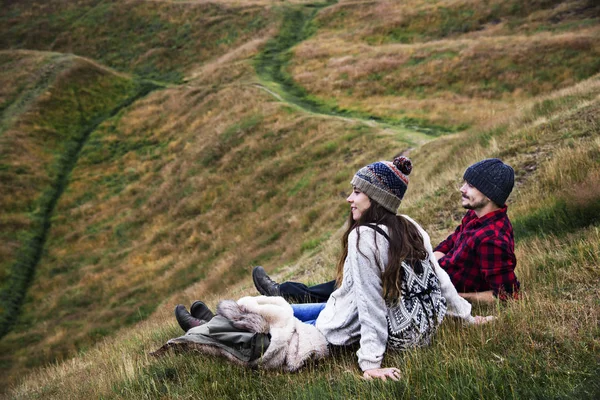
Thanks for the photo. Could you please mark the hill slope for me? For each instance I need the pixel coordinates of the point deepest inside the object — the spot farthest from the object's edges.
(452, 62)
(551, 336)
(244, 158)
(45, 123)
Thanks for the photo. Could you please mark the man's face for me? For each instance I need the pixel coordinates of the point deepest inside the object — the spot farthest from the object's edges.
(472, 199)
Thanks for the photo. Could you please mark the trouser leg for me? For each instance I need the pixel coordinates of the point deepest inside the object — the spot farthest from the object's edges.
(309, 312)
(300, 293)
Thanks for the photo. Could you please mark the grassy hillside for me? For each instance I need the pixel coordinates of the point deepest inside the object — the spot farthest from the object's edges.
(173, 203)
(49, 106)
(126, 202)
(545, 346)
(446, 62)
(192, 183)
(155, 39)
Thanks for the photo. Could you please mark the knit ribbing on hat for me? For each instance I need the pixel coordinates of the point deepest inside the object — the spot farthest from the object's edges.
(386, 199)
(493, 178)
(384, 181)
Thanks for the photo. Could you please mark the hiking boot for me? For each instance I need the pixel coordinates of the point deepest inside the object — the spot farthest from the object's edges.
(201, 311)
(185, 319)
(265, 285)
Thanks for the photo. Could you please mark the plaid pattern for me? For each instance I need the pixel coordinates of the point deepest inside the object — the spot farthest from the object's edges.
(479, 255)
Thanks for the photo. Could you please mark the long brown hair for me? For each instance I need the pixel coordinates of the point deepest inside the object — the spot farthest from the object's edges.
(405, 244)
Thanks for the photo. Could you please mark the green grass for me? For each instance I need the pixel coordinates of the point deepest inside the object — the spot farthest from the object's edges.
(27, 92)
(426, 21)
(559, 218)
(232, 137)
(176, 195)
(164, 40)
(71, 119)
(271, 66)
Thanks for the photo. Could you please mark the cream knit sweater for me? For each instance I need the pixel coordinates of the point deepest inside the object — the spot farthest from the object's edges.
(356, 311)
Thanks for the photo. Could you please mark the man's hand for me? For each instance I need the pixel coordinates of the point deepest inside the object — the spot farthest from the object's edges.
(438, 255)
(479, 297)
(382, 373)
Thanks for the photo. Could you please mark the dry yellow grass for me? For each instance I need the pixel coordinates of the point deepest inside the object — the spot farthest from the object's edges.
(173, 191)
(415, 21)
(181, 193)
(234, 67)
(449, 79)
(559, 271)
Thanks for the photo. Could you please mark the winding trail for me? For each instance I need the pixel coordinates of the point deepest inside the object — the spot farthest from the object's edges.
(270, 66)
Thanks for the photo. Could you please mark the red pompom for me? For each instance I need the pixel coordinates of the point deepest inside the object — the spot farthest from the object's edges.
(403, 164)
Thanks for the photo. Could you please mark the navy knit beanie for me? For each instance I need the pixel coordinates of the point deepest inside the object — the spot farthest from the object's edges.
(493, 178)
(384, 181)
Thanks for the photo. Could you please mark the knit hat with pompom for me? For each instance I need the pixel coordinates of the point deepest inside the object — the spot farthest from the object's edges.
(384, 181)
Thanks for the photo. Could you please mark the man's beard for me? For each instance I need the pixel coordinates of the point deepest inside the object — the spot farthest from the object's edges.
(476, 206)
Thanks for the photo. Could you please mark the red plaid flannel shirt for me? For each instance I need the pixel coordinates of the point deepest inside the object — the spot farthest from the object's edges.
(480, 256)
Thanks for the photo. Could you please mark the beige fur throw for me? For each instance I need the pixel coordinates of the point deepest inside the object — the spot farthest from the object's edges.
(292, 342)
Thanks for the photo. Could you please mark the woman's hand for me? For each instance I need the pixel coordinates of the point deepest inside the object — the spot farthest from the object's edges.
(480, 320)
(382, 373)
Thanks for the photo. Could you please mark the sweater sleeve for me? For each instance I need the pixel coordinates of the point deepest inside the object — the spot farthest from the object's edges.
(456, 305)
(366, 275)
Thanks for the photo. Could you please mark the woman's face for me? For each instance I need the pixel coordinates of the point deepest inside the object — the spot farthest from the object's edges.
(359, 203)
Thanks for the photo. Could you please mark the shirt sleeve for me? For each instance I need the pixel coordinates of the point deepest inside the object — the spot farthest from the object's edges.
(498, 263)
(372, 310)
(448, 244)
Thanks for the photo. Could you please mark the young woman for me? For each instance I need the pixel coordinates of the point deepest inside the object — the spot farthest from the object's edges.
(385, 256)
(390, 290)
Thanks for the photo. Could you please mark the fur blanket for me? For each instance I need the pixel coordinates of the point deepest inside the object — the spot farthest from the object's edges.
(292, 342)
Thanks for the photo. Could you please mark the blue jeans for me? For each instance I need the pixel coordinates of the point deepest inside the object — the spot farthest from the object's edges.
(308, 312)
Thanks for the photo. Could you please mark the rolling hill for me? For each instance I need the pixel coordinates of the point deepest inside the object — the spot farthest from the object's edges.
(152, 152)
